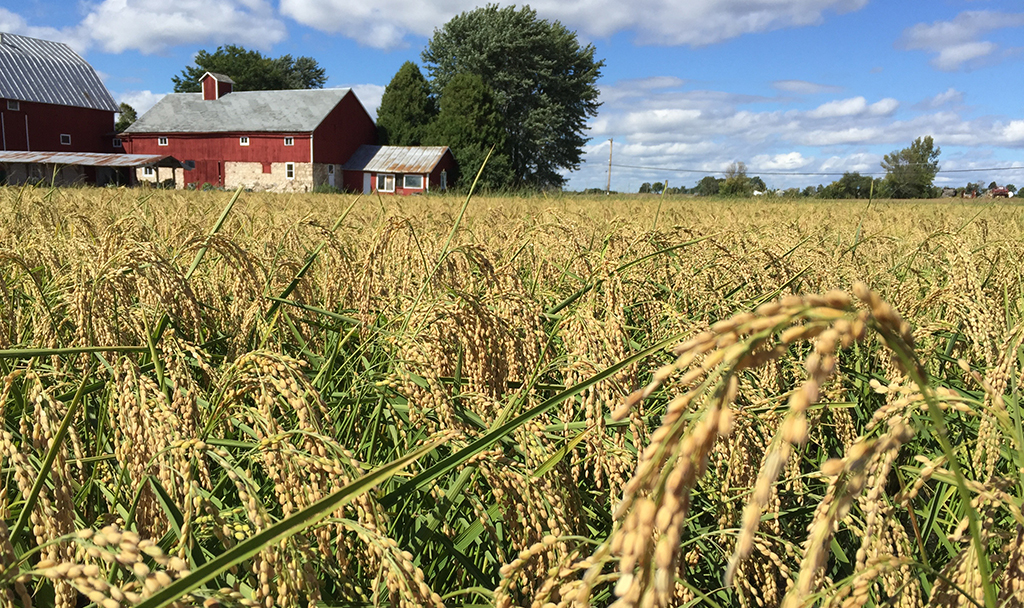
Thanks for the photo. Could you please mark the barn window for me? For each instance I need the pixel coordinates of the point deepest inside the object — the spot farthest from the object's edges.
(289, 170)
(243, 141)
(289, 141)
(385, 183)
(117, 142)
(13, 106)
(147, 171)
(65, 139)
(161, 141)
(413, 182)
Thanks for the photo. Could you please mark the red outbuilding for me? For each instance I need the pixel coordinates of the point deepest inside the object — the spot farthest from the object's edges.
(52, 100)
(399, 169)
(292, 140)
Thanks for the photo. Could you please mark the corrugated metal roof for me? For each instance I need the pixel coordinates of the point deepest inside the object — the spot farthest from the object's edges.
(89, 159)
(293, 111)
(396, 159)
(42, 71)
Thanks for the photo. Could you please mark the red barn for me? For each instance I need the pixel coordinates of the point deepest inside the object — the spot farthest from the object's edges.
(399, 169)
(51, 100)
(291, 140)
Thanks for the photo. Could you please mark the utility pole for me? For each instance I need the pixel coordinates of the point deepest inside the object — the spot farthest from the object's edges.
(608, 188)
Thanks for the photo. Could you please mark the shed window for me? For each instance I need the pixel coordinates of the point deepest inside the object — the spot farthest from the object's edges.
(117, 142)
(289, 141)
(444, 180)
(243, 141)
(289, 170)
(147, 171)
(385, 183)
(65, 139)
(161, 141)
(13, 106)
(413, 182)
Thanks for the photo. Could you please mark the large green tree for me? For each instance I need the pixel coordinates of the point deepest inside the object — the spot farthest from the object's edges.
(736, 181)
(909, 172)
(544, 84)
(251, 71)
(406, 109)
(470, 124)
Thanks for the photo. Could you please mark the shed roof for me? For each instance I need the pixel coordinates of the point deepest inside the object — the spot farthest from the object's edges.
(396, 159)
(89, 159)
(292, 111)
(42, 71)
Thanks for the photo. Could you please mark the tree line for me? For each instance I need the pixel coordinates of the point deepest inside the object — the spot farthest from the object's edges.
(910, 173)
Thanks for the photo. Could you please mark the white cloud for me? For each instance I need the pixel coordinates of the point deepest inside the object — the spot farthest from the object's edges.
(142, 101)
(802, 87)
(853, 107)
(385, 23)
(948, 97)
(780, 162)
(151, 26)
(956, 44)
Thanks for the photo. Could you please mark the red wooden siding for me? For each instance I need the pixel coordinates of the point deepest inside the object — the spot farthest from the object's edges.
(90, 130)
(211, 150)
(347, 127)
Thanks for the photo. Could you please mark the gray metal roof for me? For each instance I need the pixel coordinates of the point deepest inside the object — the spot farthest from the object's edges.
(42, 71)
(396, 159)
(90, 159)
(293, 111)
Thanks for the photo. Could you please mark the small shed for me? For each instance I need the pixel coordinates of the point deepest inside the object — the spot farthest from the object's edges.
(399, 169)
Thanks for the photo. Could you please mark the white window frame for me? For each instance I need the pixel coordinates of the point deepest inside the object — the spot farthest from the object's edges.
(243, 140)
(330, 169)
(13, 105)
(65, 139)
(289, 141)
(289, 170)
(161, 141)
(407, 186)
(383, 180)
(117, 142)
(147, 170)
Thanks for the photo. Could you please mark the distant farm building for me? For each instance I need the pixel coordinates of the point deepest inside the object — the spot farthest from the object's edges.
(286, 141)
(54, 107)
(399, 169)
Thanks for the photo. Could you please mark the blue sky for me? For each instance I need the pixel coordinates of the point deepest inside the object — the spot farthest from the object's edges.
(784, 86)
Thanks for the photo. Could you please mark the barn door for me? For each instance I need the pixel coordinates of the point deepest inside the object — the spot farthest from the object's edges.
(367, 183)
(330, 175)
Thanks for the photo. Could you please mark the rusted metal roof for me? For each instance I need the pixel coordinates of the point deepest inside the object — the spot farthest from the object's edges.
(90, 159)
(43, 71)
(396, 159)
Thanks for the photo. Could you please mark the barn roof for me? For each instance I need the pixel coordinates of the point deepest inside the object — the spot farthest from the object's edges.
(396, 159)
(42, 71)
(292, 111)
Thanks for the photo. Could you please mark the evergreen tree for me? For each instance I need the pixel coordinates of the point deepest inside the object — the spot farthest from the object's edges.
(469, 123)
(127, 117)
(406, 109)
(544, 84)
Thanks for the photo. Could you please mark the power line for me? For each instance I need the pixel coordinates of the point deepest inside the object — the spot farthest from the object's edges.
(805, 173)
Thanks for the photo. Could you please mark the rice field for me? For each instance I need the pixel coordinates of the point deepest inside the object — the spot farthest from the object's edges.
(217, 399)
